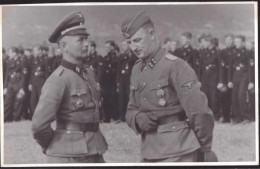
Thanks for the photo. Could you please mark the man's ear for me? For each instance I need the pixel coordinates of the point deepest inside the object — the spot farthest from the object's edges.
(152, 34)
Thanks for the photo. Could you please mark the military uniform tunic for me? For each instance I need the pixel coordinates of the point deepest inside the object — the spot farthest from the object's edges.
(15, 79)
(210, 76)
(251, 79)
(238, 64)
(226, 96)
(187, 53)
(37, 79)
(167, 87)
(125, 64)
(107, 78)
(69, 99)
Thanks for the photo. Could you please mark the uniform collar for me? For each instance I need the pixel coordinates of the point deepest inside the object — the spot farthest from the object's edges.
(71, 66)
(153, 59)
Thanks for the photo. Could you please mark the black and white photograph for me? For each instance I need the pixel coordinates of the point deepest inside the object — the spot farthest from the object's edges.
(129, 84)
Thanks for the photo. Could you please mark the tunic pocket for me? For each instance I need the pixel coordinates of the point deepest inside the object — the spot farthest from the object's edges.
(173, 139)
(80, 99)
(67, 142)
(160, 94)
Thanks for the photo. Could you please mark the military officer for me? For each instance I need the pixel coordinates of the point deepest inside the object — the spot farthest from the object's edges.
(125, 64)
(225, 94)
(14, 87)
(238, 81)
(251, 78)
(37, 77)
(186, 52)
(164, 92)
(107, 78)
(71, 96)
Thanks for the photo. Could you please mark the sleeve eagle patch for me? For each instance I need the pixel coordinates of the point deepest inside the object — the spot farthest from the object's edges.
(188, 84)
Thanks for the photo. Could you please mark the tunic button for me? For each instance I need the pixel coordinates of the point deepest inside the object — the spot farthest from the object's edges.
(144, 98)
(173, 127)
(144, 84)
(68, 132)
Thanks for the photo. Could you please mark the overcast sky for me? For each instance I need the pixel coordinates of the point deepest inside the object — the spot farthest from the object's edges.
(27, 25)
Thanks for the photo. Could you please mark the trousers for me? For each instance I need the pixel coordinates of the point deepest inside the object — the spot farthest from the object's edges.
(191, 157)
(85, 159)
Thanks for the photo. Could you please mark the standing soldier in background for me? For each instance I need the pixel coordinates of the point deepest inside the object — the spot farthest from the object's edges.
(92, 59)
(14, 87)
(125, 64)
(211, 78)
(173, 46)
(238, 80)
(58, 58)
(38, 76)
(4, 59)
(26, 73)
(226, 92)
(71, 96)
(186, 52)
(250, 52)
(49, 62)
(166, 44)
(107, 77)
(164, 93)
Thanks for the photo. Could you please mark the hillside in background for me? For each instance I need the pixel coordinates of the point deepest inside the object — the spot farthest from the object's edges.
(27, 25)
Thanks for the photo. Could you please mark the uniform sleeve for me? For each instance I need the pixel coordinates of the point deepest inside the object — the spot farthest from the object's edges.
(194, 102)
(230, 70)
(45, 113)
(132, 110)
(251, 69)
(220, 67)
(6, 80)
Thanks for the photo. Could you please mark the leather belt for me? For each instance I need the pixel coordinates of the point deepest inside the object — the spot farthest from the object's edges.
(73, 126)
(176, 110)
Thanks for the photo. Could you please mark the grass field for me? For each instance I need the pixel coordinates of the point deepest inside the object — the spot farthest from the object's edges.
(232, 143)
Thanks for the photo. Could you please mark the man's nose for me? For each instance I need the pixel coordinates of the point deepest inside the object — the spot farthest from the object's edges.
(133, 46)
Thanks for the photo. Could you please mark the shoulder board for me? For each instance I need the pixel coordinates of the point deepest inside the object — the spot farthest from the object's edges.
(58, 72)
(137, 61)
(171, 57)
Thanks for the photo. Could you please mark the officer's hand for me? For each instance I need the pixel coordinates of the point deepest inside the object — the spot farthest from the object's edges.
(21, 91)
(30, 87)
(146, 121)
(5, 91)
(230, 84)
(220, 85)
(250, 86)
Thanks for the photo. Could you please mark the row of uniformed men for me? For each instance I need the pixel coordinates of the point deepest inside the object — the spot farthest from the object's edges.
(25, 72)
(226, 75)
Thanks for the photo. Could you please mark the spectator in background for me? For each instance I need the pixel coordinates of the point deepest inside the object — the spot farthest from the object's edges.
(238, 81)
(250, 52)
(225, 91)
(14, 87)
(125, 64)
(38, 76)
(107, 77)
(210, 73)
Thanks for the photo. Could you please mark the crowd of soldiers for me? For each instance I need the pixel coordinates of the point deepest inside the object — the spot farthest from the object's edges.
(26, 70)
(226, 76)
